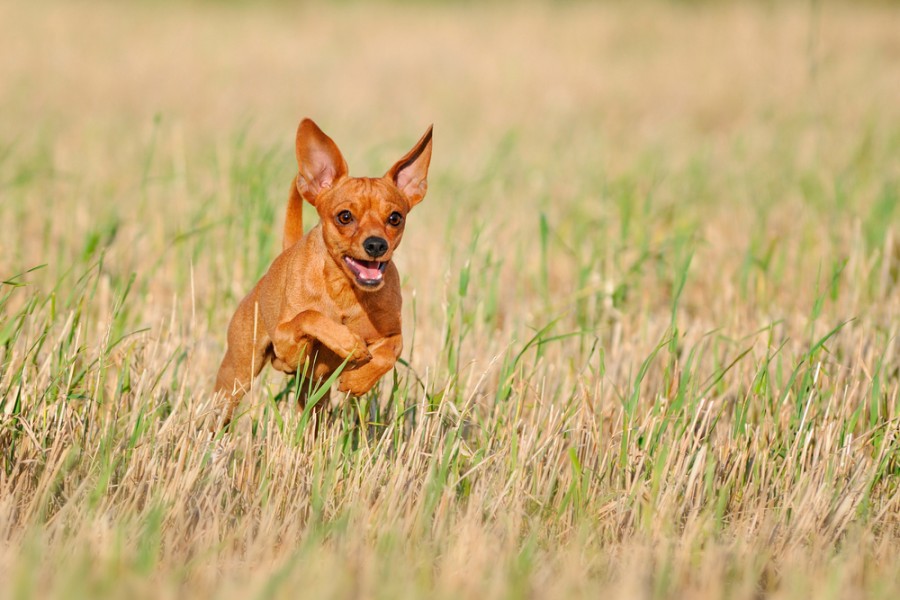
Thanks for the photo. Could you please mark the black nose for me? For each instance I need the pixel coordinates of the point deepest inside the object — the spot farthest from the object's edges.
(375, 246)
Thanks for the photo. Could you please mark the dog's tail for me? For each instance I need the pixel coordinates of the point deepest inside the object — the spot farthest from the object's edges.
(293, 219)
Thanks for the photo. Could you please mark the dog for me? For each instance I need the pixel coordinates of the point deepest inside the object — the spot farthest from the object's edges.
(332, 297)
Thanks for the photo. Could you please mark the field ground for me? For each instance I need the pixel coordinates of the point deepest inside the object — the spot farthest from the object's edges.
(652, 301)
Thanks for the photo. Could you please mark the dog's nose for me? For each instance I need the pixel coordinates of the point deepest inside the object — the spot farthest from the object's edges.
(375, 246)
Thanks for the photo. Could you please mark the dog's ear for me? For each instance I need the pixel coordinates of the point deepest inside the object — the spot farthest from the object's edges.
(321, 163)
(410, 173)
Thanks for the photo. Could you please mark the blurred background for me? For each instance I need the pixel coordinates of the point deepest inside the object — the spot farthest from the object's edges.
(549, 101)
(644, 222)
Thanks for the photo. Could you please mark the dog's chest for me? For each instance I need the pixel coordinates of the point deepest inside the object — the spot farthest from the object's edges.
(359, 322)
(364, 314)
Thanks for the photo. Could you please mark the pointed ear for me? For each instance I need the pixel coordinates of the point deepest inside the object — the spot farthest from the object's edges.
(321, 163)
(410, 173)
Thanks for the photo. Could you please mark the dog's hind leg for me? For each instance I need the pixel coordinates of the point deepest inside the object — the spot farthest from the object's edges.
(247, 353)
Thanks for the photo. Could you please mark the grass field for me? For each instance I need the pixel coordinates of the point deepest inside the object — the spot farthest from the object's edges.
(652, 301)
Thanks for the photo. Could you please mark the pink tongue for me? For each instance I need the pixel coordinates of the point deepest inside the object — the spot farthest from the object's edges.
(369, 272)
(366, 269)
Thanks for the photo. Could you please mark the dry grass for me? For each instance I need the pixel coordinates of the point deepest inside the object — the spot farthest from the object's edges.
(652, 302)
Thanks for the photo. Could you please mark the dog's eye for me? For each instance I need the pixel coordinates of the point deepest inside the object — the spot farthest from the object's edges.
(345, 217)
(395, 219)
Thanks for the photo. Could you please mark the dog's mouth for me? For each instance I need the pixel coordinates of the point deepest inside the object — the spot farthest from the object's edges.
(369, 273)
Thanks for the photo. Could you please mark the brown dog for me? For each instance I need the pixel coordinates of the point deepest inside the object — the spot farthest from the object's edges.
(332, 295)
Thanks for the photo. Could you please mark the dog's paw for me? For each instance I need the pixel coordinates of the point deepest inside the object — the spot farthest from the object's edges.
(353, 383)
(358, 354)
(284, 366)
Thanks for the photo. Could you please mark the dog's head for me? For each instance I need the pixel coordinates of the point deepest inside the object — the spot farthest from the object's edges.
(362, 218)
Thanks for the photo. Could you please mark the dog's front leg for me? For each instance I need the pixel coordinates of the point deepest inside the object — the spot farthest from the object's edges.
(360, 380)
(291, 339)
